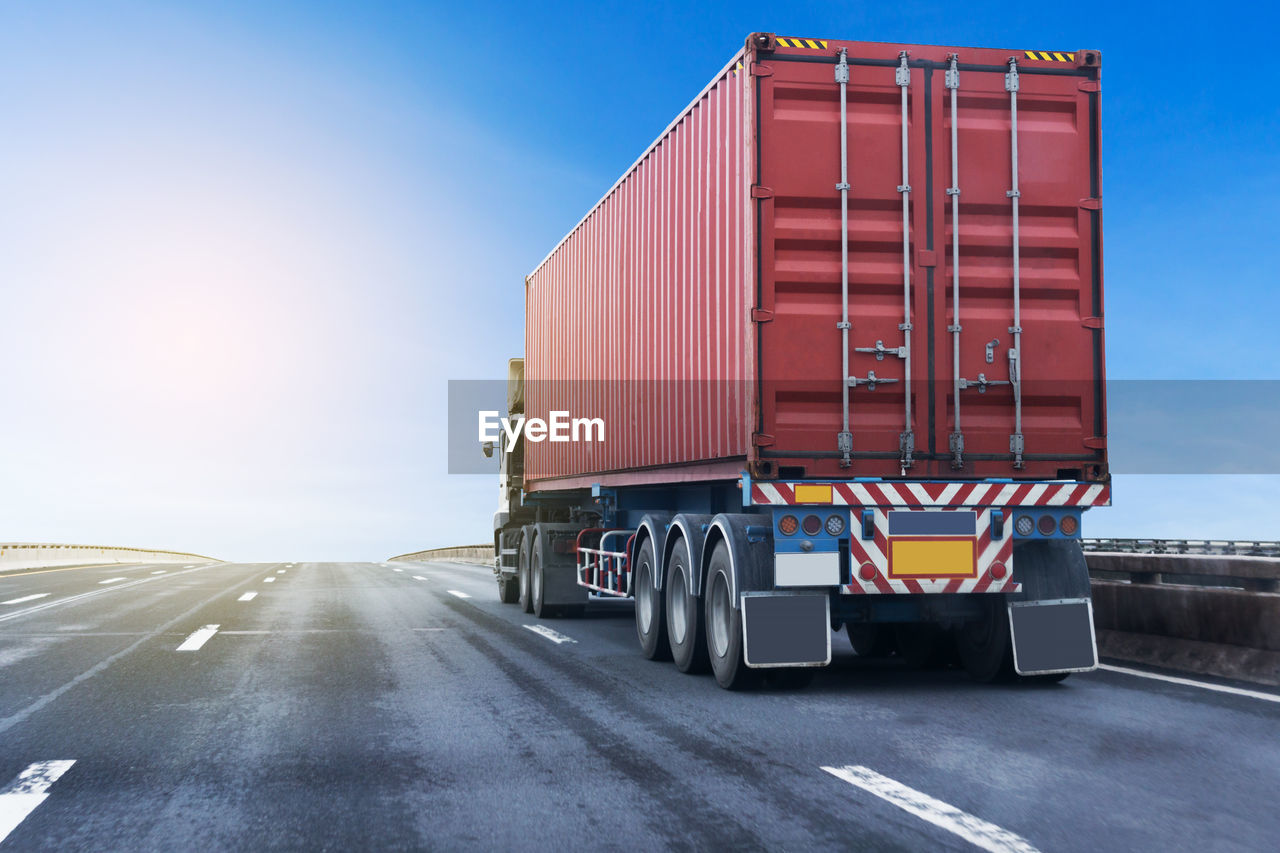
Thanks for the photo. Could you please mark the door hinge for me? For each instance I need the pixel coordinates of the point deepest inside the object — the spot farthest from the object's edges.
(758, 70)
(1091, 203)
(760, 439)
(759, 191)
(1091, 322)
(1096, 442)
(761, 315)
(927, 257)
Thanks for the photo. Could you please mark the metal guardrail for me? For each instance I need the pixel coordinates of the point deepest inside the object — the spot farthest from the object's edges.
(1207, 547)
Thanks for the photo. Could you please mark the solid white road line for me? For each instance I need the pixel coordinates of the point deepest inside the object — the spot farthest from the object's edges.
(22, 795)
(113, 580)
(458, 593)
(248, 596)
(419, 578)
(1173, 679)
(268, 580)
(554, 636)
(198, 638)
(26, 598)
(975, 830)
(159, 572)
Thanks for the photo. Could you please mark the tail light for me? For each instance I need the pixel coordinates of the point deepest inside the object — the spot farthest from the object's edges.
(788, 525)
(812, 525)
(1046, 525)
(1069, 525)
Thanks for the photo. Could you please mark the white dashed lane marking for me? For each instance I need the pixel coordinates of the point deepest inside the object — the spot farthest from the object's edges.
(21, 796)
(268, 580)
(113, 580)
(159, 572)
(554, 636)
(26, 598)
(397, 570)
(198, 638)
(975, 830)
(419, 578)
(248, 596)
(281, 571)
(458, 593)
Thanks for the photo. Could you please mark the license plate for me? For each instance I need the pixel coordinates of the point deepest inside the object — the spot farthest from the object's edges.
(932, 557)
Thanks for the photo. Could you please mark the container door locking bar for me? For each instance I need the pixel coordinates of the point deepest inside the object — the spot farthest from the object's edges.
(957, 436)
(906, 441)
(1016, 444)
(844, 441)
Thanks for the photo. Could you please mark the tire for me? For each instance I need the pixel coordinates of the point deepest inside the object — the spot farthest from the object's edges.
(684, 614)
(508, 590)
(724, 626)
(986, 650)
(651, 615)
(869, 641)
(538, 587)
(523, 586)
(922, 645)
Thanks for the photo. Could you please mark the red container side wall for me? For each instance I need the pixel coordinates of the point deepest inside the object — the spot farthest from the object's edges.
(641, 315)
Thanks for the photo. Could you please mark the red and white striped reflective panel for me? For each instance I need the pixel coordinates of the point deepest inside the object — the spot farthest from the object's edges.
(875, 554)
(943, 494)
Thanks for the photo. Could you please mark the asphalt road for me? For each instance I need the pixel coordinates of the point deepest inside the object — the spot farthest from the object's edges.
(401, 706)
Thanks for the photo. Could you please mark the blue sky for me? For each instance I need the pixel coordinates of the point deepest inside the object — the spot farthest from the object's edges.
(243, 246)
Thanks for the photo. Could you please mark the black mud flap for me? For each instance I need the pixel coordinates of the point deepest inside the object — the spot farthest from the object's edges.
(1053, 636)
(786, 630)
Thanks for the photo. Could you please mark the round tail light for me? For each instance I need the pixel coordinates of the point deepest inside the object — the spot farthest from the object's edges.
(867, 572)
(1025, 525)
(998, 571)
(1046, 525)
(812, 525)
(788, 525)
(1069, 525)
(835, 525)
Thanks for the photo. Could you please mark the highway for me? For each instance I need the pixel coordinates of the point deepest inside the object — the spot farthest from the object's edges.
(338, 706)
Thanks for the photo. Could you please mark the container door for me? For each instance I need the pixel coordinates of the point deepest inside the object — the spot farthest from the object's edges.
(802, 371)
(1029, 344)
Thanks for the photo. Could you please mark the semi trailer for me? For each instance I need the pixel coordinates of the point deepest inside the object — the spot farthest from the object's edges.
(841, 328)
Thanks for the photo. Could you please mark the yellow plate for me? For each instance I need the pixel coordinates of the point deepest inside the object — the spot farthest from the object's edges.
(931, 557)
(808, 493)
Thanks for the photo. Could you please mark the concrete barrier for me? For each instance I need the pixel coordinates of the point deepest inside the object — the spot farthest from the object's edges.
(1211, 614)
(23, 556)
(482, 554)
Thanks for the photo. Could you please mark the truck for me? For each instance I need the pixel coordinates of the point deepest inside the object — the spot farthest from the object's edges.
(836, 338)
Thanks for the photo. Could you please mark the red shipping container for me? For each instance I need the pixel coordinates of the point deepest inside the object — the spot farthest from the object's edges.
(697, 308)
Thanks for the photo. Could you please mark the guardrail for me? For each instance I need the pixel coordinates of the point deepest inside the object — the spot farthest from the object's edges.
(21, 556)
(1242, 547)
(1213, 614)
(459, 552)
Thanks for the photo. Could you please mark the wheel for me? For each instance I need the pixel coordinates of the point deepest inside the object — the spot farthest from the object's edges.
(986, 650)
(869, 641)
(508, 590)
(651, 617)
(921, 644)
(537, 587)
(724, 626)
(684, 614)
(525, 587)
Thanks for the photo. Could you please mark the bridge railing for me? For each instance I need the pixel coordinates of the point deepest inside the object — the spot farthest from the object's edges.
(19, 556)
(458, 552)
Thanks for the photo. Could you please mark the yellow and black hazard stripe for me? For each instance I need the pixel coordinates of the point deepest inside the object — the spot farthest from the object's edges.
(1050, 55)
(806, 44)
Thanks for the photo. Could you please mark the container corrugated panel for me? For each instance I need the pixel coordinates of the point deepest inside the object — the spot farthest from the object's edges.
(638, 316)
(644, 313)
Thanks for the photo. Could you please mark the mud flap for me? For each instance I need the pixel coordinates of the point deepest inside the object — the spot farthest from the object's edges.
(1053, 636)
(786, 630)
